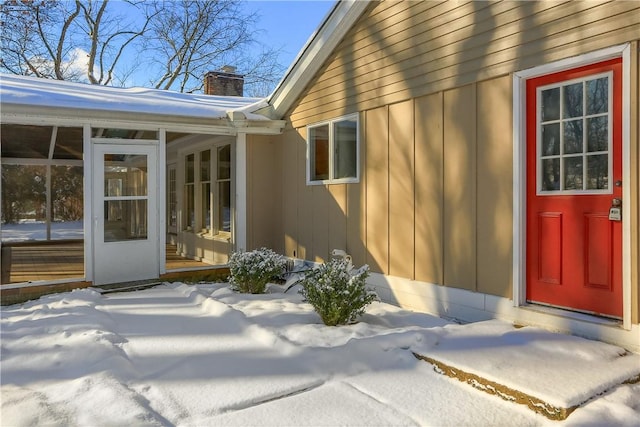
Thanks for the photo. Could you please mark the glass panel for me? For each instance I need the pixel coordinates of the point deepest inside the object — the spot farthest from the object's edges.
(598, 96)
(189, 165)
(125, 220)
(573, 173)
(345, 141)
(551, 139)
(551, 174)
(572, 136)
(224, 162)
(67, 200)
(68, 144)
(224, 206)
(572, 100)
(550, 104)
(124, 133)
(26, 142)
(24, 202)
(319, 144)
(206, 206)
(598, 172)
(190, 210)
(173, 203)
(125, 175)
(598, 134)
(205, 165)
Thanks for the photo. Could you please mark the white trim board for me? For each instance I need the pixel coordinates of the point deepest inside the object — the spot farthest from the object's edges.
(519, 168)
(468, 306)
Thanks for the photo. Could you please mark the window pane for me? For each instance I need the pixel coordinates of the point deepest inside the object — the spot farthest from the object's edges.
(125, 220)
(550, 104)
(573, 173)
(206, 206)
(550, 174)
(598, 96)
(224, 206)
(572, 105)
(224, 162)
(598, 134)
(66, 194)
(68, 144)
(24, 202)
(125, 175)
(551, 139)
(345, 141)
(572, 136)
(173, 202)
(319, 151)
(205, 165)
(189, 207)
(598, 172)
(189, 165)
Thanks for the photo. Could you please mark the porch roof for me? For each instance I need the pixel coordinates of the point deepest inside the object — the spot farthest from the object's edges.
(34, 96)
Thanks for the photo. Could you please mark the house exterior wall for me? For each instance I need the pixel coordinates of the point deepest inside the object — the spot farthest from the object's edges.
(432, 83)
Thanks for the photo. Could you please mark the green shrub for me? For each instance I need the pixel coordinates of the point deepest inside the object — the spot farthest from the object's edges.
(337, 294)
(251, 271)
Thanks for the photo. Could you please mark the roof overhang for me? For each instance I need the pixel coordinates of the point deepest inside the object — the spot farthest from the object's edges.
(28, 100)
(313, 55)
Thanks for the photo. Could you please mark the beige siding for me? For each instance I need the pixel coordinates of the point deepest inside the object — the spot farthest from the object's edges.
(495, 188)
(429, 189)
(264, 206)
(460, 187)
(377, 171)
(401, 191)
(383, 60)
(433, 85)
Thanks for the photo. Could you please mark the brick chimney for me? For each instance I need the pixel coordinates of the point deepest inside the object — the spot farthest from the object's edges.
(225, 82)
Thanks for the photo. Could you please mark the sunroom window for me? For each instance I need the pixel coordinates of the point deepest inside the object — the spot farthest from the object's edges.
(207, 195)
(333, 151)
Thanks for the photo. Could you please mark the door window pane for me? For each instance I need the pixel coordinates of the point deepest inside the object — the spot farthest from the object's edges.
(551, 139)
(572, 100)
(573, 173)
(551, 174)
(572, 136)
(125, 220)
(598, 133)
(598, 96)
(550, 104)
(598, 172)
(125, 175)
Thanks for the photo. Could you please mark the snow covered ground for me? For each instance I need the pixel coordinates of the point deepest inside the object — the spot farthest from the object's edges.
(203, 355)
(36, 230)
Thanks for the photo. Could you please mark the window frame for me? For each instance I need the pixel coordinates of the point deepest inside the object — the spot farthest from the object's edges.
(585, 153)
(198, 185)
(332, 151)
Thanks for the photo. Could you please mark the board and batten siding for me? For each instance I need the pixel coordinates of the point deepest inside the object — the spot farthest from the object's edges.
(432, 83)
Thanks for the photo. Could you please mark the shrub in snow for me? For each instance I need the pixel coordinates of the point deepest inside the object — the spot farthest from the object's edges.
(336, 292)
(251, 271)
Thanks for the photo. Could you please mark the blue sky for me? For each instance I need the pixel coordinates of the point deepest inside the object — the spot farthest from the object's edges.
(289, 24)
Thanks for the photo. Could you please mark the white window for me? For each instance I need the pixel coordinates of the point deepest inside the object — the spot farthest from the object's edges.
(207, 192)
(333, 151)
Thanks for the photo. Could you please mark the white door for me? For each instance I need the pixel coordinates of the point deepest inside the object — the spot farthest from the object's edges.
(125, 207)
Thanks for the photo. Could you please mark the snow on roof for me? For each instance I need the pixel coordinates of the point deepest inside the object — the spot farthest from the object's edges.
(37, 92)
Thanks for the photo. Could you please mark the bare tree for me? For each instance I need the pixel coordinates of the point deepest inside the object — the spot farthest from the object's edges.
(104, 42)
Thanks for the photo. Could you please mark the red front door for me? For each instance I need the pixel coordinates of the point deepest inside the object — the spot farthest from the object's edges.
(574, 173)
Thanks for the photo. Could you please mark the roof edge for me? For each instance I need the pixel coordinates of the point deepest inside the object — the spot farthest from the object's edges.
(313, 55)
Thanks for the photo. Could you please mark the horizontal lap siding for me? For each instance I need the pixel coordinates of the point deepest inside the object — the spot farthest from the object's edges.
(383, 61)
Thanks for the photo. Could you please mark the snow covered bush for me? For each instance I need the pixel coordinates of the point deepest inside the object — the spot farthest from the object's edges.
(336, 293)
(251, 271)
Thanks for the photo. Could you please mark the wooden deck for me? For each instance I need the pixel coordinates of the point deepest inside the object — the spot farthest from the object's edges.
(52, 261)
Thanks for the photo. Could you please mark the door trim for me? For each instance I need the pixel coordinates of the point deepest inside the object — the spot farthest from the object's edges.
(520, 171)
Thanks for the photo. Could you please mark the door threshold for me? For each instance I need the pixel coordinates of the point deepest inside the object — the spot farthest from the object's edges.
(573, 315)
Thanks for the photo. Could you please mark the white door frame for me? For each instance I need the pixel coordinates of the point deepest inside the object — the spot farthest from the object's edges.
(520, 171)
